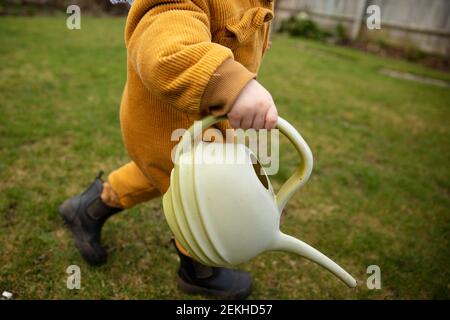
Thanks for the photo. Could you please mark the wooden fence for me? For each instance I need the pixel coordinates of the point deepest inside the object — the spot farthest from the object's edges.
(424, 24)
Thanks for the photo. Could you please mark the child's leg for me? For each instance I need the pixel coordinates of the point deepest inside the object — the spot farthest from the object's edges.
(85, 213)
(127, 187)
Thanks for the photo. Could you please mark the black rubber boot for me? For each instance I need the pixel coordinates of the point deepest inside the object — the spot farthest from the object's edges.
(85, 214)
(217, 282)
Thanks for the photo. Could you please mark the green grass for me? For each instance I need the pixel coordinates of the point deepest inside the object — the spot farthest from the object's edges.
(379, 194)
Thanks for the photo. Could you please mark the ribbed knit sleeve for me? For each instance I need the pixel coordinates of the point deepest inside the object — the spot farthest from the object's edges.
(169, 45)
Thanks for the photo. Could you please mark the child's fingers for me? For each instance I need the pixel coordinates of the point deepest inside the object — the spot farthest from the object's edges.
(247, 120)
(234, 119)
(271, 118)
(258, 121)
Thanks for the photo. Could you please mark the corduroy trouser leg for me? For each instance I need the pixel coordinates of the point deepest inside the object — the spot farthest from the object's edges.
(132, 187)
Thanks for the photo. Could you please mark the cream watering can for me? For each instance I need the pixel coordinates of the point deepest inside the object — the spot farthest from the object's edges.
(225, 212)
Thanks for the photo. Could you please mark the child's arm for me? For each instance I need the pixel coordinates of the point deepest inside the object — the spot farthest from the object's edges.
(169, 45)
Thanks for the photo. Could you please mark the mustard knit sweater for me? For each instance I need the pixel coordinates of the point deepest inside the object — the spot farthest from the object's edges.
(186, 59)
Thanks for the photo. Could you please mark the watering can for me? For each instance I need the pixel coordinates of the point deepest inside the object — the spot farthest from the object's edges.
(224, 212)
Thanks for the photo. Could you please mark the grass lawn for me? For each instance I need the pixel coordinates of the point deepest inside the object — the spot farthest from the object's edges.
(379, 194)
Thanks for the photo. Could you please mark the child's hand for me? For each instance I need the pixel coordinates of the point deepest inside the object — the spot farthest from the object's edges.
(253, 108)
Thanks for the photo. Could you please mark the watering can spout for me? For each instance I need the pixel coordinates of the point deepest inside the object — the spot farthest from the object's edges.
(291, 244)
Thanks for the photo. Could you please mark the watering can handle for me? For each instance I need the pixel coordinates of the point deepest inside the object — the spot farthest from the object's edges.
(304, 169)
(300, 175)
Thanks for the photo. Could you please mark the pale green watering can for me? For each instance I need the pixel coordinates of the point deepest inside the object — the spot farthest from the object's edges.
(225, 213)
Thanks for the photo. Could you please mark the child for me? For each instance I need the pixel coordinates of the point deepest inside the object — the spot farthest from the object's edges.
(186, 59)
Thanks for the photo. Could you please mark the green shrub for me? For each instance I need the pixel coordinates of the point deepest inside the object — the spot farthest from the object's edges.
(341, 34)
(300, 26)
(414, 54)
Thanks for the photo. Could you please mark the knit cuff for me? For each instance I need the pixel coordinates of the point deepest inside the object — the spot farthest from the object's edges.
(224, 87)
